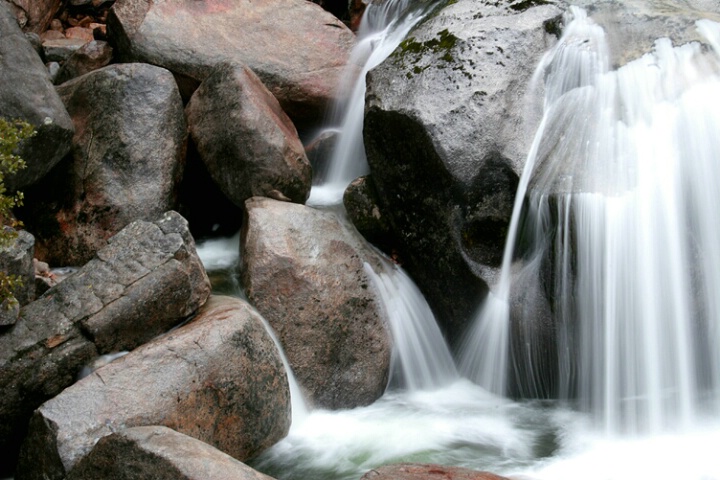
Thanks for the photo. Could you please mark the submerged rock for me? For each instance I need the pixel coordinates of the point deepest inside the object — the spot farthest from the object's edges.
(417, 471)
(304, 272)
(218, 379)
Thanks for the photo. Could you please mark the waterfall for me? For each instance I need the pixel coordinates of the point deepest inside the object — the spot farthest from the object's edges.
(421, 358)
(615, 223)
(384, 25)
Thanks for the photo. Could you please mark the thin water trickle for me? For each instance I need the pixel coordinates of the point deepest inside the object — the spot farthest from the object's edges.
(384, 26)
(421, 358)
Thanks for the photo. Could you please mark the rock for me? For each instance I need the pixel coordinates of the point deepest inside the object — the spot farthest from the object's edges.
(126, 164)
(319, 152)
(303, 271)
(50, 35)
(218, 379)
(35, 15)
(91, 56)
(80, 33)
(297, 49)
(445, 169)
(27, 93)
(9, 311)
(361, 205)
(17, 259)
(416, 471)
(248, 144)
(161, 454)
(60, 49)
(145, 281)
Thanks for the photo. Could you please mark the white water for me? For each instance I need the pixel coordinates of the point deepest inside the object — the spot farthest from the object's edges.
(626, 162)
(421, 358)
(622, 431)
(383, 27)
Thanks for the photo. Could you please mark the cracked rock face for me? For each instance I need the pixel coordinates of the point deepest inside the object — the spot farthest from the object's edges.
(218, 379)
(304, 272)
(145, 281)
(126, 164)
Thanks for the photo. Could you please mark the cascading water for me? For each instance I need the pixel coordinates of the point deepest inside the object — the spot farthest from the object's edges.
(584, 225)
(383, 27)
(615, 219)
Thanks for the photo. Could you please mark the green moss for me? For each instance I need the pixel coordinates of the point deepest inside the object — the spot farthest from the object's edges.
(410, 51)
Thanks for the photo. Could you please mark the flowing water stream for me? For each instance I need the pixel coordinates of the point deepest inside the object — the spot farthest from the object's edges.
(617, 207)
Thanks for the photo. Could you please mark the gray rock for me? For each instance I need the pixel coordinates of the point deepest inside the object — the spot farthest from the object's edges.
(296, 48)
(248, 144)
(146, 280)
(17, 259)
(218, 379)
(303, 270)
(60, 49)
(159, 453)
(443, 163)
(91, 56)
(26, 93)
(361, 204)
(126, 164)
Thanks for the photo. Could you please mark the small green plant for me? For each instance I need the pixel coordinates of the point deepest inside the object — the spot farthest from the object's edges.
(12, 133)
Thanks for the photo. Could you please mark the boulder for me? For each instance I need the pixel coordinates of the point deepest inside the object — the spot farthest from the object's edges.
(91, 56)
(219, 379)
(159, 453)
(417, 471)
(444, 167)
(27, 93)
(127, 161)
(248, 144)
(17, 259)
(319, 151)
(35, 15)
(145, 281)
(297, 49)
(303, 270)
(361, 204)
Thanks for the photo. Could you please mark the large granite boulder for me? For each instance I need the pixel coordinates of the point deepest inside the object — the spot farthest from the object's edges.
(248, 144)
(304, 271)
(219, 379)
(159, 453)
(26, 93)
(126, 164)
(145, 281)
(296, 48)
(446, 134)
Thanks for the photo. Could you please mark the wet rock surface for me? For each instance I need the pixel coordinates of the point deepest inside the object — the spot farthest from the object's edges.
(218, 379)
(329, 319)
